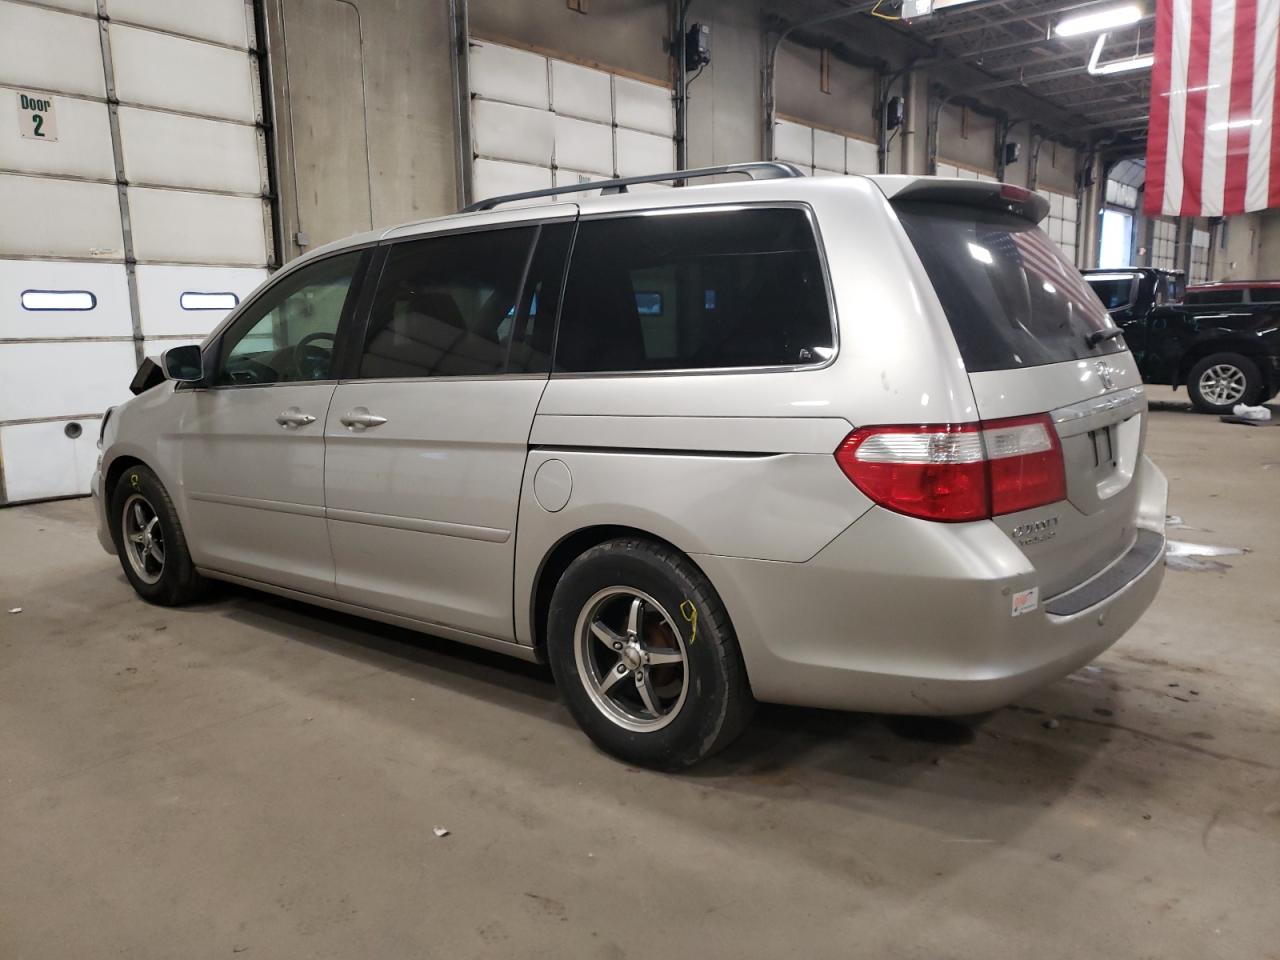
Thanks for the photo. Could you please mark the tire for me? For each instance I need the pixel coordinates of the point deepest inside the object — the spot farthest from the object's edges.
(1221, 380)
(149, 540)
(677, 648)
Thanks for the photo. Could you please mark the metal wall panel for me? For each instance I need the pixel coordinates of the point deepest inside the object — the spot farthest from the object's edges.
(222, 21)
(41, 460)
(860, 156)
(109, 316)
(828, 150)
(493, 177)
(49, 52)
(58, 379)
(44, 217)
(180, 227)
(504, 131)
(83, 147)
(510, 75)
(584, 145)
(643, 106)
(89, 7)
(160, 290)
(173, 150)
(793, 142)
(640, 153)
(159, 70)
(581, 92)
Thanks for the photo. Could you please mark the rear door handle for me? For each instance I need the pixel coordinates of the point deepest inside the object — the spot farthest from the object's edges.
(360, 418)
(293, 417)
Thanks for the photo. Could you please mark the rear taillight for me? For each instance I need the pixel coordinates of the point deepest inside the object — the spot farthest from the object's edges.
(957, 472)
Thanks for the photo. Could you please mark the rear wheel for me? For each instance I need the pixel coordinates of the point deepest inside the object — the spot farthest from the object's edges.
(149, 540)
(1221, 380)
(645, 657)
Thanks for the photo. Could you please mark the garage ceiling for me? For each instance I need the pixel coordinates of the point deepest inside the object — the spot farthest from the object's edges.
(1009, 45)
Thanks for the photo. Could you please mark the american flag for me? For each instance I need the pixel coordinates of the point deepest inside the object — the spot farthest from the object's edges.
(1213, 147)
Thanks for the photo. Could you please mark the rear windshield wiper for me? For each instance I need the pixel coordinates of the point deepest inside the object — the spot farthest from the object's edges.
(1098, 336)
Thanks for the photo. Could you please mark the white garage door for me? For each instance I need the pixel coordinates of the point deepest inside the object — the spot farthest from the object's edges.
(823, 153)
(132, 184)
(538, 122)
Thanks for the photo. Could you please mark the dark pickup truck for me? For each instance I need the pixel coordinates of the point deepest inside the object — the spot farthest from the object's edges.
(1225, 353)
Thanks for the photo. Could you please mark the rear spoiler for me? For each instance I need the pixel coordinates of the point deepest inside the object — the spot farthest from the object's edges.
(973, 193)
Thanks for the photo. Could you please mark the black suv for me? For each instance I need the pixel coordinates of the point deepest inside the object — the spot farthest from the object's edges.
(1225, 353)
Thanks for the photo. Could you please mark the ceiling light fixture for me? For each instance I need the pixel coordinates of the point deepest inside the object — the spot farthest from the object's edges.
(1101, 20)
(1097, 69)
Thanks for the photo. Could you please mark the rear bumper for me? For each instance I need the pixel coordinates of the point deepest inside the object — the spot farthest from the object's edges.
(899, 615)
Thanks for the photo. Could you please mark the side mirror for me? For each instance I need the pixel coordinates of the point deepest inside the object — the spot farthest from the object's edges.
(183, 364)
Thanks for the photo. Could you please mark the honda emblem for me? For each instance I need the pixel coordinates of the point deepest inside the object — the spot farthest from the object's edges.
(1104, 374)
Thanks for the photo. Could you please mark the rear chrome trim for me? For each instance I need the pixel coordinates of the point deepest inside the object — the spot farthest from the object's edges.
(1085, 416)
(1147, 550)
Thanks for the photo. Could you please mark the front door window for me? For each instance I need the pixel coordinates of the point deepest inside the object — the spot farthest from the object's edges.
(288, 334)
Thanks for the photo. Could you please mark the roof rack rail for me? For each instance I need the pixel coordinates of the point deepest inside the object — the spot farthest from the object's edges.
(758, 170)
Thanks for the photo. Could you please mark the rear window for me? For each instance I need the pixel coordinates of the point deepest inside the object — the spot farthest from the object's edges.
(1012, 299)
(1112, 291)
(693, 290)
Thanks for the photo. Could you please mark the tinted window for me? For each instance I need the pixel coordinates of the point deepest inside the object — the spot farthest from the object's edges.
(1216, 296)
(1012, 299)
(467, 305)
(1112, 293)
(288, 333)
(1264, 294)
(680, 291)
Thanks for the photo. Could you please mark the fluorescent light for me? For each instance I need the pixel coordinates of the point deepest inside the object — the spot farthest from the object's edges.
(1234, 124)
(1116, 66)
(981, 254)
(1101, 20)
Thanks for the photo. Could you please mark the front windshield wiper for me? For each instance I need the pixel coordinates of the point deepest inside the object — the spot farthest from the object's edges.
(1098, 336)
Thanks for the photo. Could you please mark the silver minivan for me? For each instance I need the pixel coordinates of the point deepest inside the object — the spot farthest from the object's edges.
(865, 443)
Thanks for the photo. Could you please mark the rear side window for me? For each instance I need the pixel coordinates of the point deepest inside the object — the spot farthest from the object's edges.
(1113, 291)
(685, 291)
(467, 305)
(1216, 296)
(1264, 294)
(1012, 299)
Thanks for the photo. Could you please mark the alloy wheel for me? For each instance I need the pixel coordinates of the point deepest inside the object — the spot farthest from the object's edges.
(143, 538)
(1223, 384)
(631, 659)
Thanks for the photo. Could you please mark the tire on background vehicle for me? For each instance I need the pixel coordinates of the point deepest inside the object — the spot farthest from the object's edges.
(716, 704)
(1253, 385)
(175, 581)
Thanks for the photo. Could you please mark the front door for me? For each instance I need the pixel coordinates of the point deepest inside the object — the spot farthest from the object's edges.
(253, 441)
(426, 448)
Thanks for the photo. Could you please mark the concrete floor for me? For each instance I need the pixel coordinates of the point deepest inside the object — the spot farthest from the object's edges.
(254, 776)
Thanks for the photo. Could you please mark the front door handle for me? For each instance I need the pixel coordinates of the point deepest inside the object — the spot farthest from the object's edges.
(293, 417)
(360, 419)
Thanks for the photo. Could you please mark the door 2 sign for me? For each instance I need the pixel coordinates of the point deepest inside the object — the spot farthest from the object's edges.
(35, 117)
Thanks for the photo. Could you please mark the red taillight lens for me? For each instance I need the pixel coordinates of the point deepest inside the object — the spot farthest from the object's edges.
(1024, 463)
(957, 472)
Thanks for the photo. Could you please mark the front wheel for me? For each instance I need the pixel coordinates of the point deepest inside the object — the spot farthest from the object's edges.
(150, 541)
(1220, 381)
(645, 657)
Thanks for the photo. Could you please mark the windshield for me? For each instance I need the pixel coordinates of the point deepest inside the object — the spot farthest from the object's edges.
(1112, 289)
(1011, 297)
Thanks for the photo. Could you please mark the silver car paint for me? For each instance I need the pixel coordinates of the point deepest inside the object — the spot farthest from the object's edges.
(435, 523)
